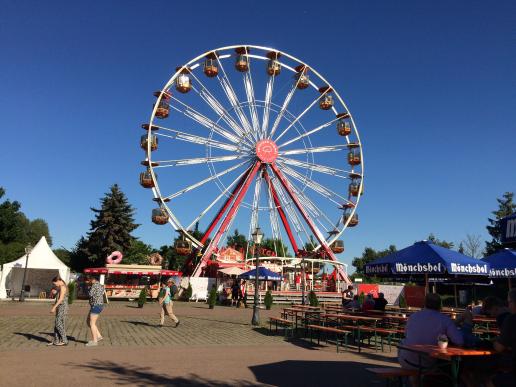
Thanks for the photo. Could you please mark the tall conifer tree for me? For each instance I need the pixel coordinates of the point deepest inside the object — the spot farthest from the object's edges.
(506, 207)
(111, 229)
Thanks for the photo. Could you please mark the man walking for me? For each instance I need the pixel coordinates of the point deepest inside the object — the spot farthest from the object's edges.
(168, 289)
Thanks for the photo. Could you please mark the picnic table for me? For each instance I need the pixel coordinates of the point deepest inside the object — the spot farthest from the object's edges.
(454, 355)
(296, 312)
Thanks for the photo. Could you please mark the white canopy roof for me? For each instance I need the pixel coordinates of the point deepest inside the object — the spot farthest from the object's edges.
(41, 257)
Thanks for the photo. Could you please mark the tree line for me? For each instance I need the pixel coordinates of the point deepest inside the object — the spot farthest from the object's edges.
(17, 231)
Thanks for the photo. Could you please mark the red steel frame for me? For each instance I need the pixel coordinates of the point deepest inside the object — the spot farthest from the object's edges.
(227, 219)
(224, 207)
(281, 212)
(308, 220)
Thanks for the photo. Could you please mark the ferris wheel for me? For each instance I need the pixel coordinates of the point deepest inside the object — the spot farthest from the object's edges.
(242, 136)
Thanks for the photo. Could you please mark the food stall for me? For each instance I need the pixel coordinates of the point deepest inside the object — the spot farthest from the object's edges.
(126, 281)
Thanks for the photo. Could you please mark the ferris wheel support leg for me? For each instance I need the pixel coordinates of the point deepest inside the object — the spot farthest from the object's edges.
(225, 223)
(308, 220)
(281, 213)
(224, 207)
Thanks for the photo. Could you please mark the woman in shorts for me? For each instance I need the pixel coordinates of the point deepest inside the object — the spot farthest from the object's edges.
(96, 297)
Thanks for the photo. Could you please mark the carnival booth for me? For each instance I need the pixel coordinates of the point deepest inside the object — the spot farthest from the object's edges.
(42, 266)
(126, 281)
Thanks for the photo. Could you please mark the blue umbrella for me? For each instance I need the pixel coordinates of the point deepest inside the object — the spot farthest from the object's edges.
(263, 275)
(503, 264)
(428, 259)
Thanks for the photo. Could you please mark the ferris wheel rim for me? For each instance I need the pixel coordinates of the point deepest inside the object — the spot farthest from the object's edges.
(156, 190)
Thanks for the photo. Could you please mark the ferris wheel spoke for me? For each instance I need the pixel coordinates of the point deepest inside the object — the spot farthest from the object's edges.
(217, 199)
(267, 106)
(255, 206)
(232, 211)
(283, 109)
(316, 167)
(290, 210)
(210, 99)
(315, 230)
(316, 187)
(318, 149)
(273, 195)
(249, 90)
(191, 138)
(217, 108)
(233, 100)
(298, 117)
(310, 132)
(198, 160)
(273, 216)
(206, 122)
(205, 181)
(310, 205)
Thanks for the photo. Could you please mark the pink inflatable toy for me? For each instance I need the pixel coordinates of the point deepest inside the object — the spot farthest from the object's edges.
(117, 255)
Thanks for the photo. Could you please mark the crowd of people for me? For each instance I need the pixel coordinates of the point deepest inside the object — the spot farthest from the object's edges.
(96, 294)
(234, 293)
(426, 325)
(352, 301)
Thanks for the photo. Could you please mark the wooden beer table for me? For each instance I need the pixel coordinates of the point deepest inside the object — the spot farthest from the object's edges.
(454, 355)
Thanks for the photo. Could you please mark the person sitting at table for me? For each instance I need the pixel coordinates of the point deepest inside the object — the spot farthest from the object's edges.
(495, 308)
(507, 339)
(353, 304)
(424, 327)
(477, 308)
(347, 296)
(368, 303)
(380, 302)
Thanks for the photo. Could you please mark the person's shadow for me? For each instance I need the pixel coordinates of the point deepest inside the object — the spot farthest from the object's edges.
(141, 323)
(48, 339)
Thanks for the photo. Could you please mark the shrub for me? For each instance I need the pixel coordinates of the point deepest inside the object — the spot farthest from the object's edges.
(268, 300)
(212, 299)
(402, 302)
(187, 294)
(72, 292)
(361, 298)
(142, 299)
(312, 299)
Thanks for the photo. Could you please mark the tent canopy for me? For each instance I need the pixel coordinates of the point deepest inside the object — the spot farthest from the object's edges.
(231, 271)
(42, 263)
(503, 264)
(427, 258)
(263, 275)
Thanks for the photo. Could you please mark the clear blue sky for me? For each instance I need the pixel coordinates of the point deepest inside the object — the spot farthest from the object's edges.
(431, 86)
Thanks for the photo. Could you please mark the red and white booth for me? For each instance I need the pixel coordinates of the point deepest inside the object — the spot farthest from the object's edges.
(126, 281)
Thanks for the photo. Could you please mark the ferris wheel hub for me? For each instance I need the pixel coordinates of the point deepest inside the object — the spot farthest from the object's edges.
(266, 151)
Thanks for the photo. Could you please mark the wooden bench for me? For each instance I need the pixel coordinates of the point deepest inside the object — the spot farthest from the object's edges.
(277, 321)
(378, 332)
(390, 374)
(339, 333)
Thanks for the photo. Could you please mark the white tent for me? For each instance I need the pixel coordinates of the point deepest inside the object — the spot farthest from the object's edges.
(42, 266)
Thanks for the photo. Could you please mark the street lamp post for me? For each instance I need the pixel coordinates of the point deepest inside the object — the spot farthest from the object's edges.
(303, 280)
(257, 239)
(28, 249)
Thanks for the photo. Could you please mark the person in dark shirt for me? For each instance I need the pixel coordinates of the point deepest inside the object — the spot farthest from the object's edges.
(507, 339)
(495, 308)
(380, 302)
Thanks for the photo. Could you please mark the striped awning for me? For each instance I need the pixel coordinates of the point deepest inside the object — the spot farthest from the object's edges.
(104, 270)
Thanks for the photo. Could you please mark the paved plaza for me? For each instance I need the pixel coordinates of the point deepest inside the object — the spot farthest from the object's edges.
(209, 348)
